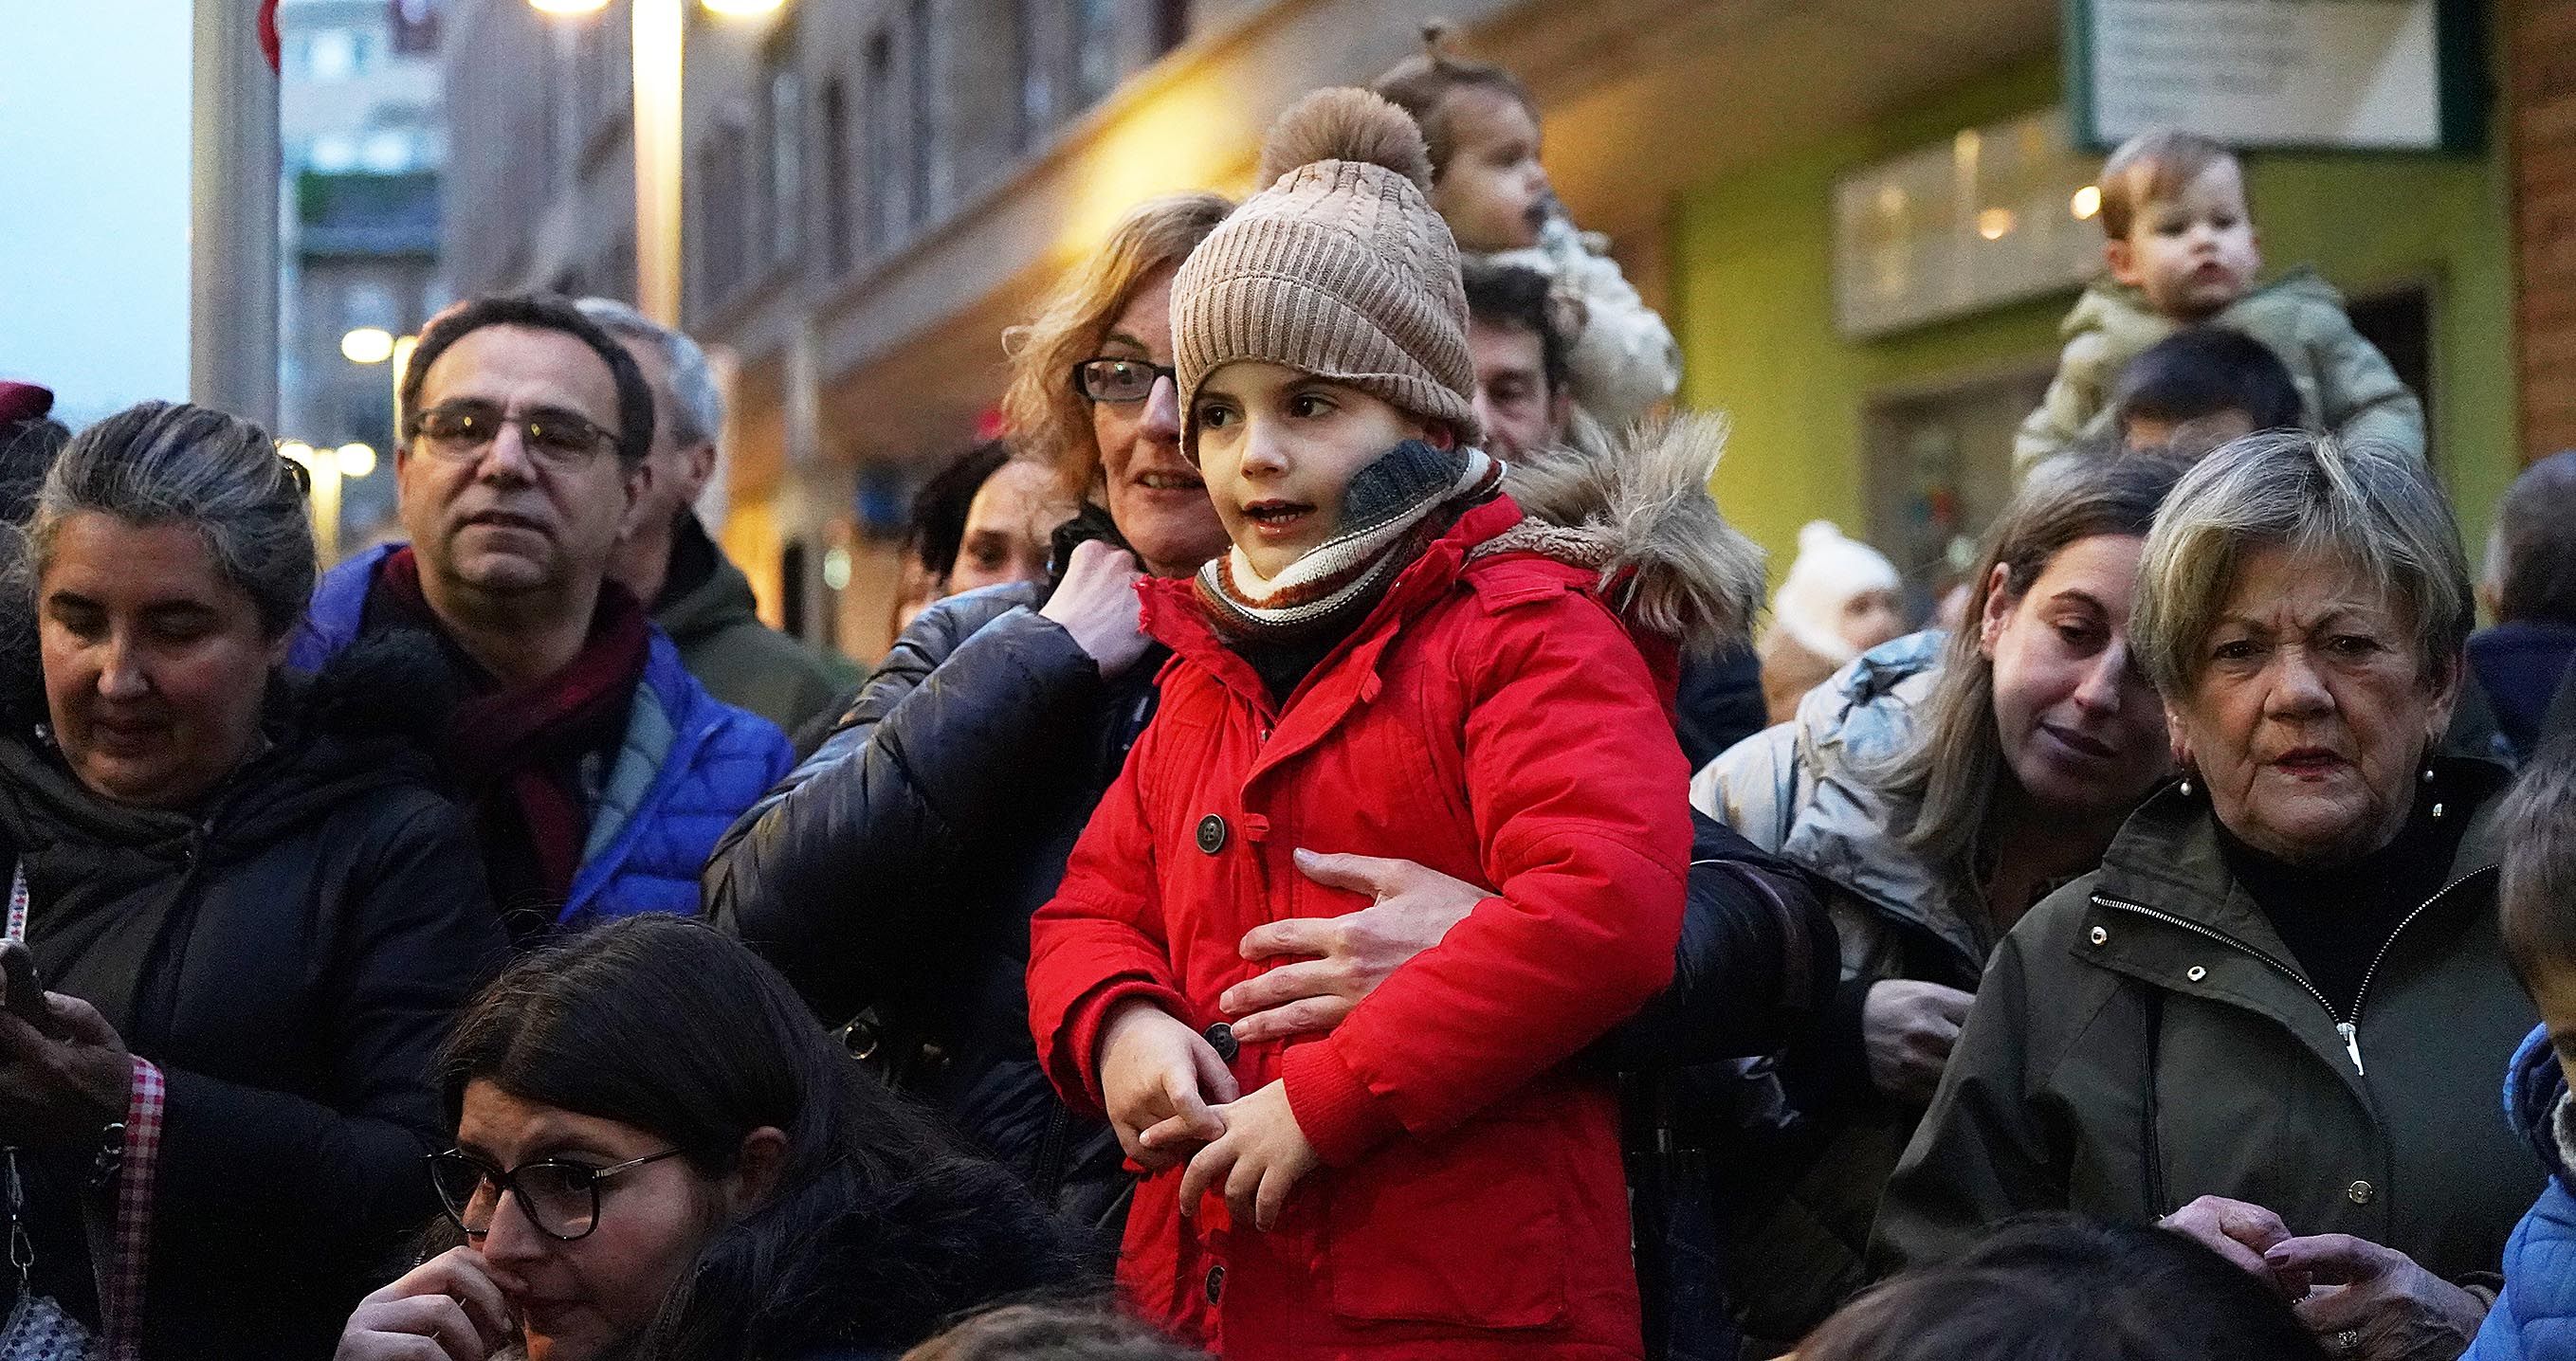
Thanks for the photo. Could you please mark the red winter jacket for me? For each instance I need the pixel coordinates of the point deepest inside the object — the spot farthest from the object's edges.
(1491, 719)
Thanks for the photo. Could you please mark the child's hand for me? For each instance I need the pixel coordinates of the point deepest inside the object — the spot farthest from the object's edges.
(1257, 1161)
(1158, 1078)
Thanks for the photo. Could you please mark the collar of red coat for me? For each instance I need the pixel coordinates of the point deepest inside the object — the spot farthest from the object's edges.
(1175, 618)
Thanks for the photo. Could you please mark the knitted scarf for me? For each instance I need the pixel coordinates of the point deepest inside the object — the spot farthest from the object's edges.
(519, 749)
(1389, 515)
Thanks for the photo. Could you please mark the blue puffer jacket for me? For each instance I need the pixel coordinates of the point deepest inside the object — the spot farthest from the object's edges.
(686, 769)
(2535, 1318)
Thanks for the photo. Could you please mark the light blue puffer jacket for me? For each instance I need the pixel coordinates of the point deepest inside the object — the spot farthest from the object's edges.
(2535, 1318)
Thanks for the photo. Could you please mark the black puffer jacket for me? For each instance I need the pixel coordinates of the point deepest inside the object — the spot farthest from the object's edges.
(894, 870)
(289, 956)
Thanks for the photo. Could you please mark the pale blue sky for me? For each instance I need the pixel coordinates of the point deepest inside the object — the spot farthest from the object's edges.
(94, 199)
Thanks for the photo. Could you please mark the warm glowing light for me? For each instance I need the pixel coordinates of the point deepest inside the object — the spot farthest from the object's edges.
(357, 460)
(2086, 203)
(740, 7)
(568, 6)
(368, 345)
(836, 569)
(297, 450)
(1995, 224)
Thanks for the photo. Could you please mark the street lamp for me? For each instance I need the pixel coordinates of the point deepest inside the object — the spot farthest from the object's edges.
(325, 470)
(659, 29)
(367, 345)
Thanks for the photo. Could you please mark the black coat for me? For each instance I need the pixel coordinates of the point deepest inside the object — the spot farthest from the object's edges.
(290, 957)
(894, 871)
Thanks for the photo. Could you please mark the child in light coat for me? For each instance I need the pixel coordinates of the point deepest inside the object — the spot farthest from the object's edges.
(2182, 251)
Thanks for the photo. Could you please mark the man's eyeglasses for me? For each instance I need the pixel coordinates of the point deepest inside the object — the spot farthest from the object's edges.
(559, 1196)
(461, 429)
(1120, 380)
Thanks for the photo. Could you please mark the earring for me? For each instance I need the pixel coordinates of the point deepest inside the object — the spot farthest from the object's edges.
(2428, 774)
(2428, 780)
(2186, 786)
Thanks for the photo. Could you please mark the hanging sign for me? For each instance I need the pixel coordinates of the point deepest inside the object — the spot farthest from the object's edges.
(2331, 75)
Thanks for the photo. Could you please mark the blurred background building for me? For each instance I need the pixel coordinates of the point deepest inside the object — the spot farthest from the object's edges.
(362, 137)
(1863, 221)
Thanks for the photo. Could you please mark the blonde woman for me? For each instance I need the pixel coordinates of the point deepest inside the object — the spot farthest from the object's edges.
(893, 873)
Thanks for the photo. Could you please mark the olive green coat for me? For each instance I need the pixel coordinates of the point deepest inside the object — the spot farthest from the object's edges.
(743, 661)
(2345, 384)
(2141, 1038)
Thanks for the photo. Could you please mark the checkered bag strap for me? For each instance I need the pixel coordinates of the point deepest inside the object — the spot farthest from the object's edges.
(120, 1277)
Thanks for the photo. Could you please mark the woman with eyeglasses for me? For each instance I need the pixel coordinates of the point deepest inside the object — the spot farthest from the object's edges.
(253, 912)
(661, 1156)
(893, 873)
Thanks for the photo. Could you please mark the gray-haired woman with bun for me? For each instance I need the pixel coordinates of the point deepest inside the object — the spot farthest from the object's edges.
(252, 910)
(2272, 1019)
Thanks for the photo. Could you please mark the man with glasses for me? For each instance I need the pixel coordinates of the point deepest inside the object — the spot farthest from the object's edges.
(683, 577)
(601, 772)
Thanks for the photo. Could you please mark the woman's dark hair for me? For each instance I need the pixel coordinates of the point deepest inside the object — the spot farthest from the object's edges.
(2059, 1287)
(939, 508)
(1943, 783)
(876, 1230)
(163, 463)
(1053, 1331)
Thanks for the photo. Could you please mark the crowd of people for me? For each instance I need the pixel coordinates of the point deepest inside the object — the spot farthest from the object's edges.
(1326, 868)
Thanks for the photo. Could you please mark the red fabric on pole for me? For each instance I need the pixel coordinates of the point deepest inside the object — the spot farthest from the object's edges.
(268, 32)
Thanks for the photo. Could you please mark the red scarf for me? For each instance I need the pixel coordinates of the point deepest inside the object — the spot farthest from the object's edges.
(526, 743)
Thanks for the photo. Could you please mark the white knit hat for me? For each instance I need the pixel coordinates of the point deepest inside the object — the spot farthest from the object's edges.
(1831, 569)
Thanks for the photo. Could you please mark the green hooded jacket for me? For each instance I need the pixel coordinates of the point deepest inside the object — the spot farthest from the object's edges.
(2345, 383)
(2140, 1039)
(708, 610)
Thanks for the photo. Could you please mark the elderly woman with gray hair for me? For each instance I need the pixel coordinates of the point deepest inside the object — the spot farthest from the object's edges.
(2271, 1020)
(252, 910)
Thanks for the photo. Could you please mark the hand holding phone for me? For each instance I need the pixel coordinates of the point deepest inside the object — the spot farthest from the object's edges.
(25, 995)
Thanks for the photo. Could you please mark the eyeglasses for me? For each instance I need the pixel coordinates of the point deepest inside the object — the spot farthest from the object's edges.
(460, 430)
(559, 1196)
(1107, 379)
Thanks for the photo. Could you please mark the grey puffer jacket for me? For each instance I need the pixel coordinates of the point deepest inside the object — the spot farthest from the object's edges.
(1810, 1137)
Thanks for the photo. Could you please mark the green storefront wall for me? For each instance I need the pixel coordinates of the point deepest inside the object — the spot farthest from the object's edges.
(1752, 294)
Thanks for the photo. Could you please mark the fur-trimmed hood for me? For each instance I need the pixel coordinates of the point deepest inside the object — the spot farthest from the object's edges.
(1637, 509)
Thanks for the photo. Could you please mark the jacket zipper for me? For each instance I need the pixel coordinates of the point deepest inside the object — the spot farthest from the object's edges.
(2349, 1029)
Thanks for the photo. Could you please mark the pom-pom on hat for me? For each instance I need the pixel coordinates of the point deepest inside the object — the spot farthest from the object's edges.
(1339, 267)
(1830, 570)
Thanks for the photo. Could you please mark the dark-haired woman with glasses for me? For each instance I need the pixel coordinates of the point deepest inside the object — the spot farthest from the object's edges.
(661, 1156)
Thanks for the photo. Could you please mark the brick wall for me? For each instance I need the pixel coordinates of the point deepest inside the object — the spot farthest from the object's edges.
(2542, 129)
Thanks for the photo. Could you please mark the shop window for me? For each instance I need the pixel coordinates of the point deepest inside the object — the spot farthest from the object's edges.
(785, 163)
(1095, 57)
(1035, 107)
(922, 83)
(1939, 467)
(837, 243)
(877, 130)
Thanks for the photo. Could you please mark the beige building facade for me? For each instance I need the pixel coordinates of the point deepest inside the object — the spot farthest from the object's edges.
(876, 189)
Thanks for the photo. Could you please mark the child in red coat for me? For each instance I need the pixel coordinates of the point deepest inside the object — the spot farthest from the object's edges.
(1393, 661)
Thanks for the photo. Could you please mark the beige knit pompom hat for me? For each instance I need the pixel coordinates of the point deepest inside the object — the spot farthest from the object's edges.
(1339, 268)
